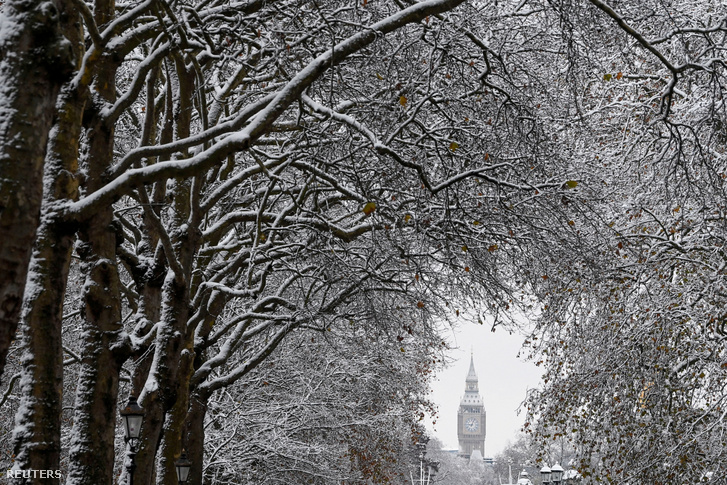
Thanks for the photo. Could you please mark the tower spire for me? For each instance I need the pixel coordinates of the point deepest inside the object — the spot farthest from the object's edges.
(472, 374)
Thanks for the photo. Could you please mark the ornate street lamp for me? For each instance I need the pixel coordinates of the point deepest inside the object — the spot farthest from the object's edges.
(422, 448)
(427, 468)
(183, 466)
(545, 474)
(556, 474)
(133, 415)
(523, 477)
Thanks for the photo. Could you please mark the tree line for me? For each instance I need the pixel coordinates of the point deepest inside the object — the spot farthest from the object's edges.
(253, 216)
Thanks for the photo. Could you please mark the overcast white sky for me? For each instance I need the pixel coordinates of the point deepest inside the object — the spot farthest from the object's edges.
(503, 380)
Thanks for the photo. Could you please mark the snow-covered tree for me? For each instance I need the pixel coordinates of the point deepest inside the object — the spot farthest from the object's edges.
(632, 339)
(222, 178)
(223, 175)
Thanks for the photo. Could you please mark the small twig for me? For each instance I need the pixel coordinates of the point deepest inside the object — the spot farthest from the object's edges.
(75, 358)
(11, 384)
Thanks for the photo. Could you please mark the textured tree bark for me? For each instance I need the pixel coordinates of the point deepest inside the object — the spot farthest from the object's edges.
(170, 447)
(150, 309)
(104, 351)
(37, 441)
(150, 288)
(105, 343)
(162, 393)
(166, 397)
(105, 347)
(34, 61)
(193, 438)
(193, 434)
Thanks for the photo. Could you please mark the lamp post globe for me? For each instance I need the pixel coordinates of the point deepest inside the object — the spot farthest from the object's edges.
(422, 449)
(556, 474)
(133, 415)
(545, 474)
(183, 465)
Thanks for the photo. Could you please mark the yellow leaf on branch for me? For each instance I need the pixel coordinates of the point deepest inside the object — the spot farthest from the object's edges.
(369, 208)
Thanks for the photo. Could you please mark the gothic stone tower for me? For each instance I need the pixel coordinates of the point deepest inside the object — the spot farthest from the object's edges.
(471, 417)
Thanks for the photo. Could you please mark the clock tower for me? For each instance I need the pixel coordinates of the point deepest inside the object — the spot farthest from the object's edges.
(471, 417)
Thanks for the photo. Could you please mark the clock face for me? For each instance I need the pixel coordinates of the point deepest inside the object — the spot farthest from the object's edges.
(472, 425)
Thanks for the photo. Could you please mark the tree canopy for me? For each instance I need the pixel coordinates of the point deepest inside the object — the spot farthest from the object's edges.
(236, 191)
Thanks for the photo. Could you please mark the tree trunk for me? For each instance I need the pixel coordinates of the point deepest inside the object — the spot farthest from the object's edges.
(193, 438)
(170, 447)
(105, 348)
(29, 85)
(37, 444)
(166, 400)
(38, 422)
(150, 287)
(37, 441)
(105, 343)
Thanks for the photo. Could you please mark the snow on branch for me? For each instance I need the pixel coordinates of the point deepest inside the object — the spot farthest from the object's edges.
(261, 123)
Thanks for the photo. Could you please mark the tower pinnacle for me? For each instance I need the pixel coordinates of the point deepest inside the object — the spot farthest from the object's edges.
(472, 374)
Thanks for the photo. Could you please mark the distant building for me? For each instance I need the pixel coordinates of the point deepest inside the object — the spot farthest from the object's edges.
(471, 417)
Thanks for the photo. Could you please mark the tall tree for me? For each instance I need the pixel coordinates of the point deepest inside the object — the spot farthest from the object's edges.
(43, 302)
(634, 350)
(35, 60)
(247, 171)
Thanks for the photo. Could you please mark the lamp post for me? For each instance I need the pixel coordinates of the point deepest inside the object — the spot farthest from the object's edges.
(556, 474)
(183, 466)
(523, 477)
(545, 474)
(133, 415)
(427, 468)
